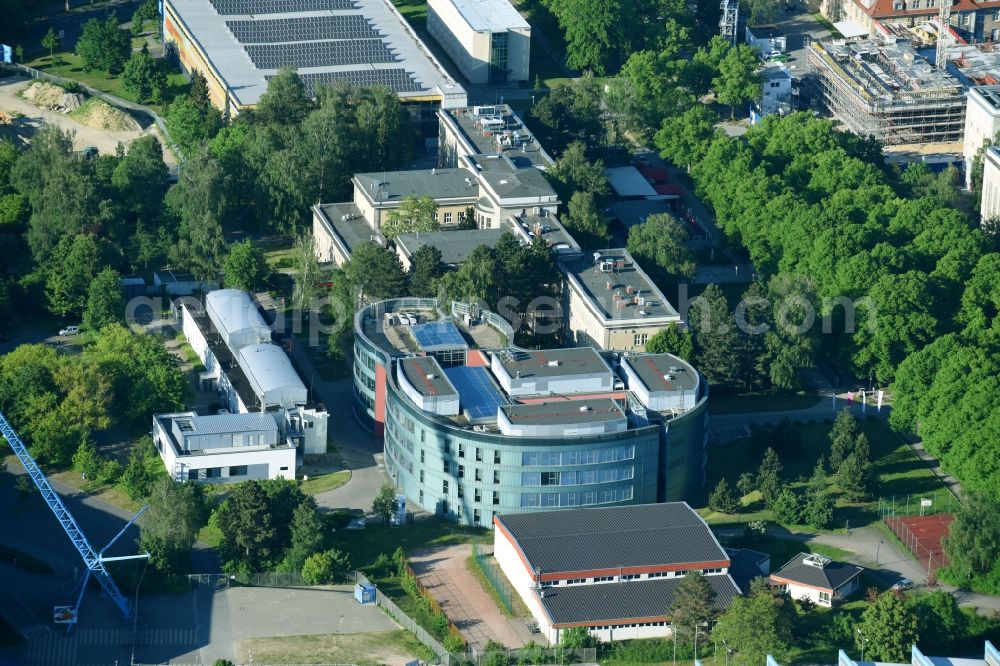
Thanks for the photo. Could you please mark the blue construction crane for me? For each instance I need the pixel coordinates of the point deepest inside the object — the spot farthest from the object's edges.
(94, 560)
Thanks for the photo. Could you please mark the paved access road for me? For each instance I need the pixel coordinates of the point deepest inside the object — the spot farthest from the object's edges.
(444, 573)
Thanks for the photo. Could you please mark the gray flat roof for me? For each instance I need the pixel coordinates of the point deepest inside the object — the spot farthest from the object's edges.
(339, 47)
(455, 244)
(554, 362)
(585, 268)
(652, 369)
(353, 230)
(490, 142)
(426, 376)
(639, 600)
(611, 537)
(989, 94)
(392, 186)
(511, 181)
(564, 411)
(489, 15)
(832, 576)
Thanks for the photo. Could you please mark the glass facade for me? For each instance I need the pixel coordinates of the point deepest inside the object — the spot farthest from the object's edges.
(498, 57)
(469, 475)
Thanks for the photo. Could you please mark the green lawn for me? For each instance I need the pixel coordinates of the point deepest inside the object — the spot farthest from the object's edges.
(324, 482)
(210, 536)
(903, 478)
(758, 402)
(365, 545)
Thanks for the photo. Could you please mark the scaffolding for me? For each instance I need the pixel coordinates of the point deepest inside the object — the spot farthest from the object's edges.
(884, 89)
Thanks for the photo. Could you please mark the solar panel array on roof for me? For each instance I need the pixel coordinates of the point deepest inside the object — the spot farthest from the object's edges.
(396, 80)
(230, 7)
(318, 54)
(302, 28)
(438, 335)
(478, 396)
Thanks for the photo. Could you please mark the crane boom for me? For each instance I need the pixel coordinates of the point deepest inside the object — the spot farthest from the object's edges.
(91, 558)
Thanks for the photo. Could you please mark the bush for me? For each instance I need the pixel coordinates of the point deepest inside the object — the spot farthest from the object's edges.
(111, 471)
(454, 643)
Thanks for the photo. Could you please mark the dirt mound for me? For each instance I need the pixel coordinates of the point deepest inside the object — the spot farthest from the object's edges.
(98, 113)
(52, 97)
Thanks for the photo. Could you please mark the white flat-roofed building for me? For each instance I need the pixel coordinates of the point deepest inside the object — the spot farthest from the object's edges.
(222, 448)
(551, 371)
(563, 418)
(990, 208)
(423, 381)
(236, 318)
(488, 39)
(662, 382)
(982, 123)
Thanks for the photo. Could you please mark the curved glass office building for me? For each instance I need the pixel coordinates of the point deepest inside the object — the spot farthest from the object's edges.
(475, 427)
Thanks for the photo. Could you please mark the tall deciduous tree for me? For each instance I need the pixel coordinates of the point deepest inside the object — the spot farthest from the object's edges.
(138, 74)
(105, 300)
(888, 629)
(425, 270)
(415, 214)
(574, 172)
(285, 102)
(245, 266)
(973, 541)
(248, 528)
(79, 262)
(50, 41)
(170, 525)
(385, 505)
(684, 139)
(739, 81)
(659, 245)
(672, 339)
(104, 45)
(375, 272)
(585, 221)
(756, 627)
(306, 537)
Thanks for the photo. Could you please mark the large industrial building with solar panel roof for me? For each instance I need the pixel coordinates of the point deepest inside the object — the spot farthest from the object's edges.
(240, 44)
(475, 427)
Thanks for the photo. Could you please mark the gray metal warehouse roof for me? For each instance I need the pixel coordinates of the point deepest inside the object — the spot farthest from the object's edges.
(612, 537)
(632, 600)
(831, 576)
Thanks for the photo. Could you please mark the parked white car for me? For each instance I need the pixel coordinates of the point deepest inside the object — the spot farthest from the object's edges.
(70, 330)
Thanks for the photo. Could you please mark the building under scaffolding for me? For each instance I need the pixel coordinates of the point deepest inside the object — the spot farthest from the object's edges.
(883, 88)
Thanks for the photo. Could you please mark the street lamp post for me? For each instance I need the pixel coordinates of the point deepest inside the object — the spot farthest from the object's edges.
(877, 549)
(863, 641)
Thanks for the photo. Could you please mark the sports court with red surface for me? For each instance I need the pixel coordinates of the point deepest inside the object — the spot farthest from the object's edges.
(922, 536)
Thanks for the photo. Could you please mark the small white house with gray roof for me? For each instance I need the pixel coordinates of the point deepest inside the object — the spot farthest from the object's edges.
(817, 578)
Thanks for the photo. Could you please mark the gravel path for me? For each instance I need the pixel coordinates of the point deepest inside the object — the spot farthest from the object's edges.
(106, 141)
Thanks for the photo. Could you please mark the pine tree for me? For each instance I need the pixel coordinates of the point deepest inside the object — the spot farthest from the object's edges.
(787, 507)
(818, 510)
(692, 606)
(842, 436)
(86, 461)
(722, 499)
(769, 477)
(307, 537)
(856, 475)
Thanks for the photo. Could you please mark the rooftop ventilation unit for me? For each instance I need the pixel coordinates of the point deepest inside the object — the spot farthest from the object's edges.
(669, 377)
(816, 560)
(584, 409)
(553, 364)
(431, 375)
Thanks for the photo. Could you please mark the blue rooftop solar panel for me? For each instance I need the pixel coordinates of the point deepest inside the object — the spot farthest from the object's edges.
(477, 394)
(438, 335)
